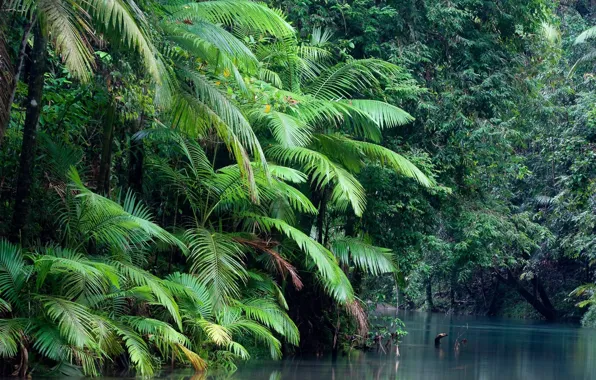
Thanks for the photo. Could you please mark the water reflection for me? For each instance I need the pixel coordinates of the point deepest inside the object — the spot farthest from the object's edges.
(495, 349)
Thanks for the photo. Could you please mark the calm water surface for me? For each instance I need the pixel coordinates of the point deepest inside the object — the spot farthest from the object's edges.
(496, 349)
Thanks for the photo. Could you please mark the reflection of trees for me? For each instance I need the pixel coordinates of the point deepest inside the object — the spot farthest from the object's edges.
(495, 351)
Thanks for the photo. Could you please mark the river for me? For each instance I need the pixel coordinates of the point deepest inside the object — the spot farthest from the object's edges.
(502, 349)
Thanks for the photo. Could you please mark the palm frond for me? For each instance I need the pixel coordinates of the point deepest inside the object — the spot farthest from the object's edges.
(218, 334)
(281, 265)
(225, 110)
(346, 188)
(13, 275)
(140, 277)
(395, 161)
(366, 257)
(345, 78)
(74, 320)
(109, 223)
(207, 40)
(77, 275)
(138, 351)
(217, 262)
(63, 21)
(117, 16)
(251, 15)
(11, 334)
(194, 295)
(247, 327)
(163, 335)
(586, 35)
(320, 36)
(198, 363)
(322, 257)
(289, 131)
(269, 314)
(384, 114)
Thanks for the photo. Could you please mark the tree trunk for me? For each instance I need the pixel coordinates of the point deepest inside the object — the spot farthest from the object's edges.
(103, 180)
(429, 294)
(14, 81)
(396, 296)
(543, 295)
(544, 308)
(32, 114)
(135, 159)
(452, 283)
(24, 361)
(6, 80)
(6, 72)
(321, 216)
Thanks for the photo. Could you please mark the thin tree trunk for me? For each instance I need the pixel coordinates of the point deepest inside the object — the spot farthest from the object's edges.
(136, 158)
(396, 297)
(321, 216)
(492, 309)
(24, 361)
(543, 295)
(452, 282)
(103, 180)
(335, 349)
(6, 72)
(429, 294)
(32, 114)
(15, 80)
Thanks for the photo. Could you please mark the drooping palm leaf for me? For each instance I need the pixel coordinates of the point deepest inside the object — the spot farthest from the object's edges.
(366, 257)
(217, 260)
(249, 14)
(109, 223)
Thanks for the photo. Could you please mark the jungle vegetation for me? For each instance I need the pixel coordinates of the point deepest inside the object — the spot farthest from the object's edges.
(195, 183)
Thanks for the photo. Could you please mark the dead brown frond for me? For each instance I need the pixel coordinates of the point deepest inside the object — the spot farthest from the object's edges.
(198, 363)
(282, 266)
(356, 310)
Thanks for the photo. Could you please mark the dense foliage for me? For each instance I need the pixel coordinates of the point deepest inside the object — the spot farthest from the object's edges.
(196, 183)
(504, 122)
(177, 165)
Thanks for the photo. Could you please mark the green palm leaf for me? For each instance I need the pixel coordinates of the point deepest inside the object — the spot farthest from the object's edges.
(74, 320)
(109, 223)
(217, 262)
(384, 114)
(366, 257)
(11, 334)
(342, 80)
(63, 20)
(251, 15)
(322, 257)
(13, 273)
(268, 313)
(139, 353)
(395, 161)
(140, 277)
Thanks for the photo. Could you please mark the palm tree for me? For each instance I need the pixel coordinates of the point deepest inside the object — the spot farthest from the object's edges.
(196, 27)
(315, 117)
(69, 307)
(230, 219)
(207, 54)
(76, 310)
(317, 123)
